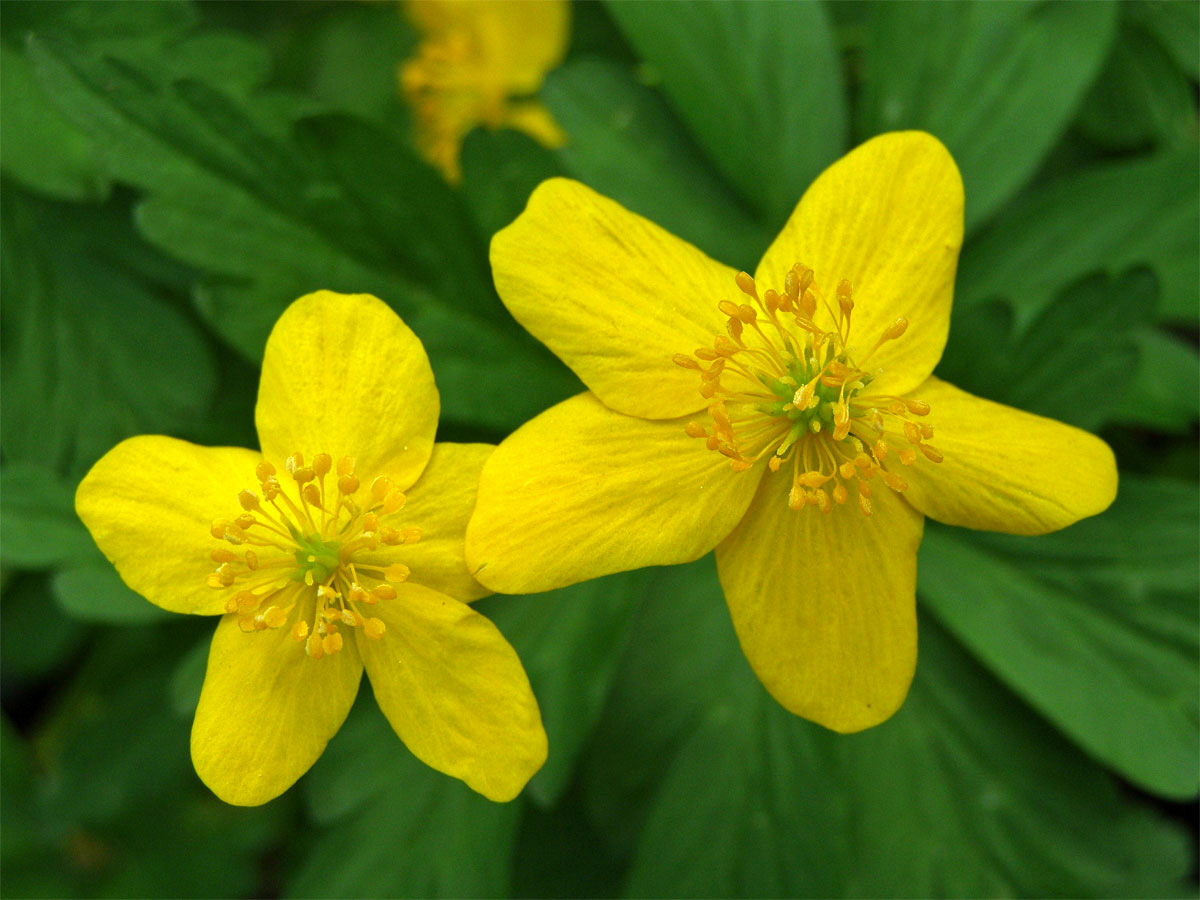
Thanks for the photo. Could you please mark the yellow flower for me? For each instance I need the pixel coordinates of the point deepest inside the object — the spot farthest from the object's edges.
(481, 62)
(806, 442)
(305, 551)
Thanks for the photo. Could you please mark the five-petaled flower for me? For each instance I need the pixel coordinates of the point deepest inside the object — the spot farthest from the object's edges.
(306, 551)
(806, 442)
(482, 63)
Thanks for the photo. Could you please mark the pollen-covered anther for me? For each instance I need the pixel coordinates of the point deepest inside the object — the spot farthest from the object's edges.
(293, 561)
(786, 385)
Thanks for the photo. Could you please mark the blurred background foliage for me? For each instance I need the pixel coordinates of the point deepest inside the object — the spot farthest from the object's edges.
(174, 174)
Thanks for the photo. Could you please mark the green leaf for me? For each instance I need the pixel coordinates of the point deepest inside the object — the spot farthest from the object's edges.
(350, 210)
(500, 170)
(93, 350)
(568, 641)
(96, 593)
(1175, 25)
(1113, 217)
(31, 124)
(39, 528)
(39, 638)
(188, 678)
(1071, 363)
(627, 144)
(1093, 628)
(1164, 389)
(963, 792)
(346, 55)
(998, 83)
(758, 84)
(1141, 98)
(397, 828)
(112, 739)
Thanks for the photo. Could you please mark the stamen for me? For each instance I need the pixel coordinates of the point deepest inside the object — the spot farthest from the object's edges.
(783, 387)
(301, 573)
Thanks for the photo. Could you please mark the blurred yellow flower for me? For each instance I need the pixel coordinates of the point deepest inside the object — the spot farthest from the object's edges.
(310, 571)
(806, 442)
(481, 62)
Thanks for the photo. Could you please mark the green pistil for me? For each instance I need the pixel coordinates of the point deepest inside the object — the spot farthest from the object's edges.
(817, 418)
(317, 557)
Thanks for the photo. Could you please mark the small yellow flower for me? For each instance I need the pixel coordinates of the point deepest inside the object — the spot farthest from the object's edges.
(481, 62)
(339, 546)
(806, 441)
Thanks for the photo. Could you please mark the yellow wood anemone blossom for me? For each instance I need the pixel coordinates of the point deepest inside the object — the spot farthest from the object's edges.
(789, 419)
(338, 547)
(482, 62)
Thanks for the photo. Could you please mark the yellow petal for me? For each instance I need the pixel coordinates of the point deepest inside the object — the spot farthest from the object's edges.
(825, 604)
(888, 217)
(267, 711)
(455, 691)
(511, 42)
(613, 295)
(582, 491)
(344, 375)
(150, 503)
(440, 504)
(535, 120)
(1007, 470)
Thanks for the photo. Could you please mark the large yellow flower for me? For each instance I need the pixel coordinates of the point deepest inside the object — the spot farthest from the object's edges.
(305, 551)
(481, 62)
(805, 442)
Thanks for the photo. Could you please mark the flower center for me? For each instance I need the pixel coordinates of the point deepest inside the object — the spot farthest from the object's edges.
(782, 388)
(293, 560)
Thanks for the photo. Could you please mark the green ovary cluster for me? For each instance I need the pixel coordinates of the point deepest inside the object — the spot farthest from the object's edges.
(818, 414)
(316, 559)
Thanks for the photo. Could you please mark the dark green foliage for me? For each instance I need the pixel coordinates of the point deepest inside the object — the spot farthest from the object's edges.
(176, 173)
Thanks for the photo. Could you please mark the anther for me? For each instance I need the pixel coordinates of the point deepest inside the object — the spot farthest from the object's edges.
(932, 454)
(396, 573)
(380, 487)
(912, 432)
(313, 646)
(312, 494)
(791, 285)
(917, 407)
(894, 330)
(294, 462)
(685, 362)
(383, 592)
(746, 284)
(303, 474)
(374, 628)
(322, 463)
(393, 501)
(248, 500)
(844, 298)
(348, 484)
(264, 470)
(696, 430)
(331, 643)
(300, 631)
